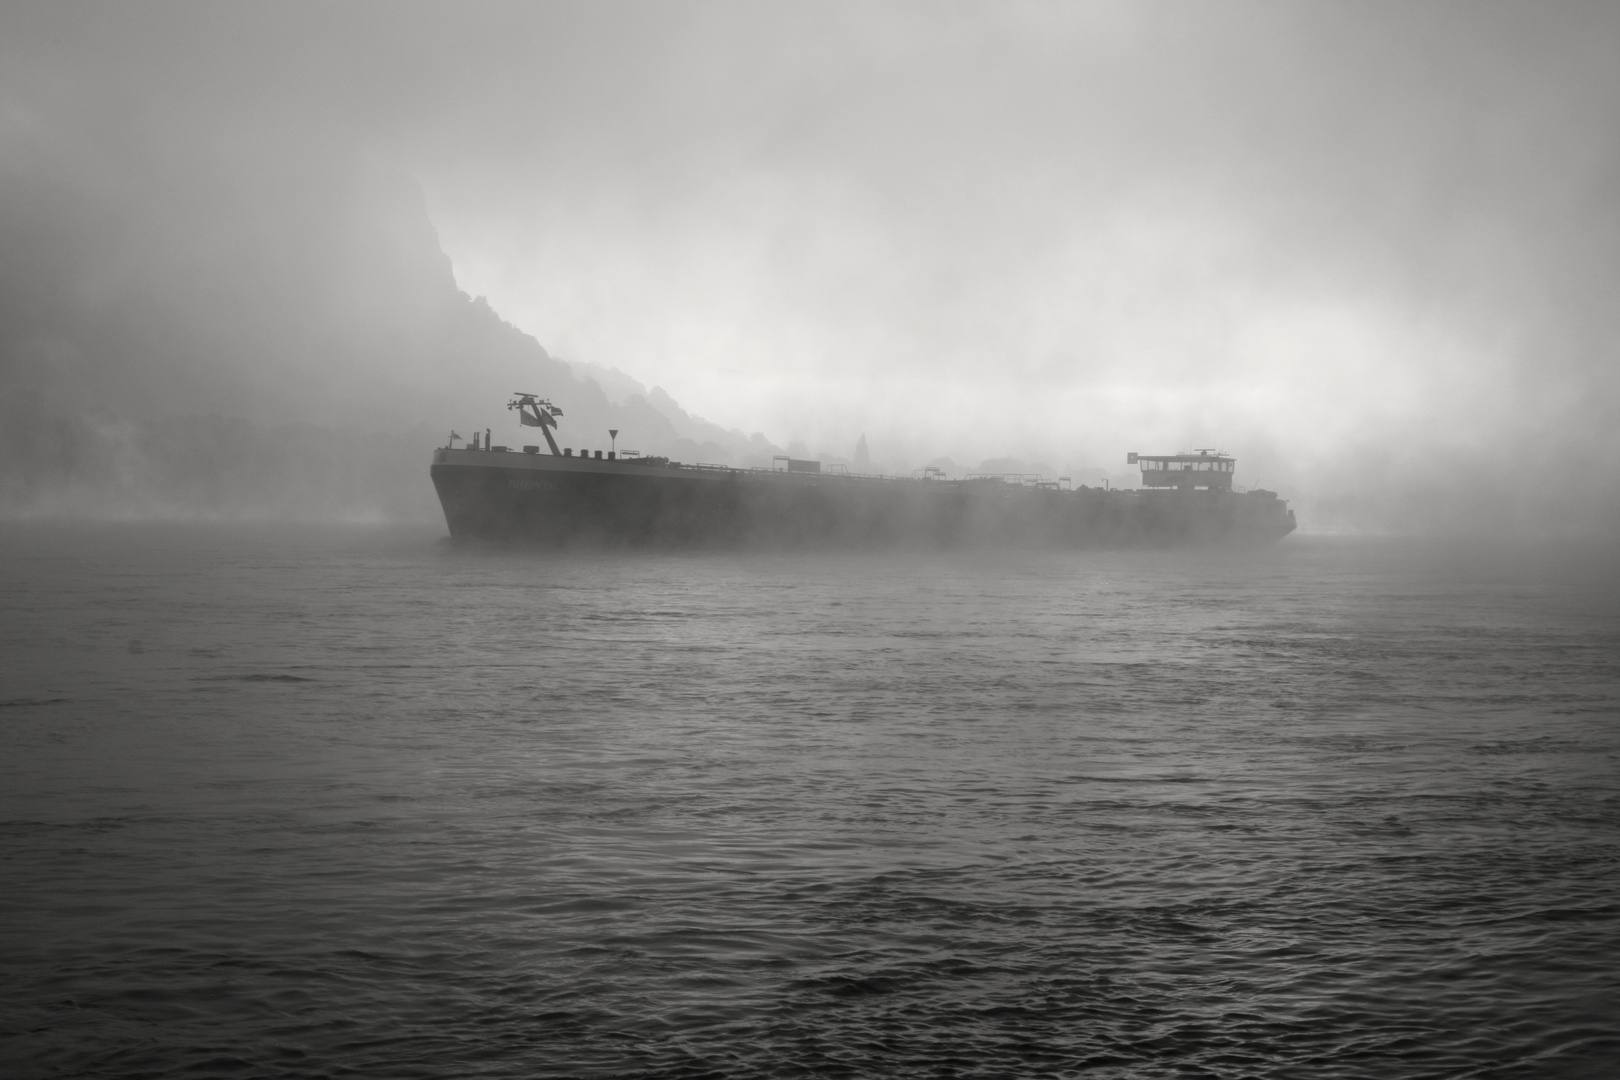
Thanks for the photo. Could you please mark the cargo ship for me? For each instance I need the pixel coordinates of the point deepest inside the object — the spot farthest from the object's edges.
(562, 498)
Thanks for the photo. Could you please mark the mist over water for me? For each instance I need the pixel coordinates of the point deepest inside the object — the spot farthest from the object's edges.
(1370, 251)
(301, 802)
(291, 786)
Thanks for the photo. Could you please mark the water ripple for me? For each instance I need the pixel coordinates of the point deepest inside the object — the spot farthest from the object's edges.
(1342, 810)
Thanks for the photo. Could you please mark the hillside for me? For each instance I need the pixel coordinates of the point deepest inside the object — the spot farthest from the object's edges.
(208, 335)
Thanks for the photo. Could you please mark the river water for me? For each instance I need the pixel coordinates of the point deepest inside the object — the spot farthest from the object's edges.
(353, 802)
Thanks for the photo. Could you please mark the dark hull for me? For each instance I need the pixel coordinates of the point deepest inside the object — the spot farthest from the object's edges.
(554, 501)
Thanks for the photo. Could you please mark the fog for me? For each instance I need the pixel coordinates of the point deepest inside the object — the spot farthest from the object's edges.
(1371, 250)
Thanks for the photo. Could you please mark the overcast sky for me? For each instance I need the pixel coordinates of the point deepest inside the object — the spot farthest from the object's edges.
(1342, 241)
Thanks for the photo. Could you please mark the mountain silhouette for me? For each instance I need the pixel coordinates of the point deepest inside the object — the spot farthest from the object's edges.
(225, 334)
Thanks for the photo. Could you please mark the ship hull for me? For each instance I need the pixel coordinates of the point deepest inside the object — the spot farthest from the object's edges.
(563, 501)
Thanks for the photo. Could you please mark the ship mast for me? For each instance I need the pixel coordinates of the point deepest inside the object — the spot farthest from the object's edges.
(534, 411)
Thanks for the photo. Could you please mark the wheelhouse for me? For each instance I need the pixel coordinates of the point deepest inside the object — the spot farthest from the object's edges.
(1194, 469)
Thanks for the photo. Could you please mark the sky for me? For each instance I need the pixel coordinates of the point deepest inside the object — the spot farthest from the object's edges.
(1373, 250)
